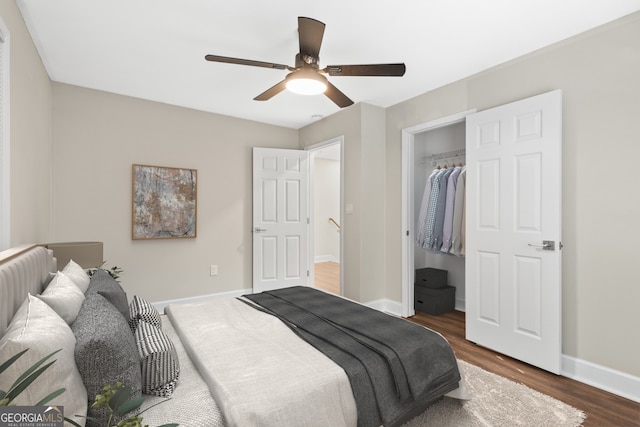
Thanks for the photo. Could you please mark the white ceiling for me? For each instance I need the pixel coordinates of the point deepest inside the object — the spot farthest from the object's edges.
(154, 49)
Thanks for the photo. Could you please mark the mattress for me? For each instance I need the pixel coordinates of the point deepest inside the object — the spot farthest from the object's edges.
(258, 371)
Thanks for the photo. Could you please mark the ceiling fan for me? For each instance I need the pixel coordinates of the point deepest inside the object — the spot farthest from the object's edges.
(307, 77)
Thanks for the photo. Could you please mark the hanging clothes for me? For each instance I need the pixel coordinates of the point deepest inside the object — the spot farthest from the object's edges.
(447, 228)
(423, 209)
(430, 219)
(458, 231)
(436, 243)
(441, 217)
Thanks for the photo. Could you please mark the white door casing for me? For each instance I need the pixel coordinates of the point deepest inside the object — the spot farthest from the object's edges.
(514, 204)
(280, 218)
(408, 207)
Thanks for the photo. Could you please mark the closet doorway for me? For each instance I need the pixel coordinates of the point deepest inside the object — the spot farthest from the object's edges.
(513, 208)
(437, 143)
(326, 171)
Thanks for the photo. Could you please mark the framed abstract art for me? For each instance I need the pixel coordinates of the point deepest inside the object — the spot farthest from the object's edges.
(164, 202)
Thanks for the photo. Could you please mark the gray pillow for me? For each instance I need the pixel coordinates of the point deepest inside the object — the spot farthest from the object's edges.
(158, 360)
(105, 349)
(105, 285)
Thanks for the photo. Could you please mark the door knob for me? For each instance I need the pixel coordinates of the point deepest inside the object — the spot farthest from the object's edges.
(547, 245)
(259, 230)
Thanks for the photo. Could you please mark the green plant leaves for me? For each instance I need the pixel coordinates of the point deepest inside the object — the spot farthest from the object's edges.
(48, 398)
(27, 377)
(35, 366)
(12, 359)
(129, 406)
(19, 387)
(119, 397)
(70, 421)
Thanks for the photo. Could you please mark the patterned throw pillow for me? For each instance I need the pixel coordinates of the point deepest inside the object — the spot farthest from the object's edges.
(141, 309)
(158, 360)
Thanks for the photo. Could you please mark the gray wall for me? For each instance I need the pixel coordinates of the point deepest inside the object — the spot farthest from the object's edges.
(30, 124)
(326, 183)
(598, 73)
(98, 136)
(362, 126)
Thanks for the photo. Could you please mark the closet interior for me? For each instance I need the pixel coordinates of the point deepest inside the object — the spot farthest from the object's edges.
(436, 149)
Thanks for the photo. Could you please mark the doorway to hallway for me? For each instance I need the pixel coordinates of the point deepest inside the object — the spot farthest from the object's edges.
(326, 213)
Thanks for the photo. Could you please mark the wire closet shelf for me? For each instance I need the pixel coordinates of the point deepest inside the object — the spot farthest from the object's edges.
(444, 159)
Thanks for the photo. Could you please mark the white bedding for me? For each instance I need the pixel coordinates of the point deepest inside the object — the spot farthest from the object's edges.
(258, 371)
(191, 404)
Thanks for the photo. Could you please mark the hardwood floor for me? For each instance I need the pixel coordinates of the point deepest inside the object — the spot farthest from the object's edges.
(603, 409)
(327, 276)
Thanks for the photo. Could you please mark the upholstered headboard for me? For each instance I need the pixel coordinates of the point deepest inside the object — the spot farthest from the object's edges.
(23, 269)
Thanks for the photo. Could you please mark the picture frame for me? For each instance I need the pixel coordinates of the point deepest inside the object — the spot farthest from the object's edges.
(164, 202)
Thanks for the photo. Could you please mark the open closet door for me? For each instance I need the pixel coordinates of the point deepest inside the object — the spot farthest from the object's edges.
(280, 218)
(513, 230)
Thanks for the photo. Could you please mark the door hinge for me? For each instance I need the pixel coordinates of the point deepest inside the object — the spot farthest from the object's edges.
(407, 232)
(308, 221)
(308, 273)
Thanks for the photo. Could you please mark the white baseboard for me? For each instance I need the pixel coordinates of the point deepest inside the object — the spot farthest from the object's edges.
(325, 258)
(607, 379)
(160, 305)
(386, 305)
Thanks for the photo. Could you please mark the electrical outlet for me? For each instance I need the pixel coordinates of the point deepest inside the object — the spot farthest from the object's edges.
(213, 270)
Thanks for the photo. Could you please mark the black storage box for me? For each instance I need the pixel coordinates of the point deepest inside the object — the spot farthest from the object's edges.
(431, 277)
(434, 300)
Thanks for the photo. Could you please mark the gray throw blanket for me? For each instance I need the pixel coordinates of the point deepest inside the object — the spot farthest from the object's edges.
(396, 368)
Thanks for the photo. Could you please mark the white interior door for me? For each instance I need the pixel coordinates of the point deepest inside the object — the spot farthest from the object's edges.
(513, 230)
(280, 218)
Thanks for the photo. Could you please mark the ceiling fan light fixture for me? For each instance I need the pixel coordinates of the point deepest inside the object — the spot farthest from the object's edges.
(306, 82)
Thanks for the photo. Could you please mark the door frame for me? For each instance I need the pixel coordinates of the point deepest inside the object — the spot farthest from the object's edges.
(408, 205)
(311, 251)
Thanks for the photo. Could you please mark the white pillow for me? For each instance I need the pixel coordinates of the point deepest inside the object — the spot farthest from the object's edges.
(64, 296)
(77, 274)
(37, 327)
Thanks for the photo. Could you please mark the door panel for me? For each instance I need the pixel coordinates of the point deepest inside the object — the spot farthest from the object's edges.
(280, 218)
(489, 287)
(528, 172)
(489, 195)
(513, 290)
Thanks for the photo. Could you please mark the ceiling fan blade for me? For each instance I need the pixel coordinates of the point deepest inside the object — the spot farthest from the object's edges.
(272, 91)
(339, 98)
(228, 60)
(310, 32)
(392, 70)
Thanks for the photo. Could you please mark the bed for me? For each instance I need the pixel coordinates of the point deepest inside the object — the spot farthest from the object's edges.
(286, 357)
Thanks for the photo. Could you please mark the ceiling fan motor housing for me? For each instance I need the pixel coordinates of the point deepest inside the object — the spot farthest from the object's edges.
(304, 61)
